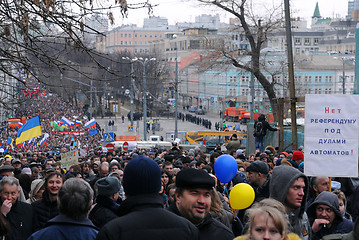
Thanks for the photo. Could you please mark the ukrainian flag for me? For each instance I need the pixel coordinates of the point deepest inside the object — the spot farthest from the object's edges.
(31, 128)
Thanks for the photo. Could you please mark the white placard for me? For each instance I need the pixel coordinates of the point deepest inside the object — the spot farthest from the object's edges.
(331, 135)
(69, 158)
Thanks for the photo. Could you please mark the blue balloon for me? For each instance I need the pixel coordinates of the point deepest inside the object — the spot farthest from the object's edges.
(225, 168)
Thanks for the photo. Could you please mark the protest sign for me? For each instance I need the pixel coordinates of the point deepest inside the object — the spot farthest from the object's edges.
(331, 135)
(69, 158)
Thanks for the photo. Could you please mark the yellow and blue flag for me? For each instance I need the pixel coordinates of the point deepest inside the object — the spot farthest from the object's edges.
(31, 128)
(9, 141)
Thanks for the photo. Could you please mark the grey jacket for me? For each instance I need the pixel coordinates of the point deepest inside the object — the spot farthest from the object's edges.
(282, 179)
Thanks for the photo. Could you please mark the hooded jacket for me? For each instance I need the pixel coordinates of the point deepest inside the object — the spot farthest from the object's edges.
(339, 225)
(353, 235)
(282, 179)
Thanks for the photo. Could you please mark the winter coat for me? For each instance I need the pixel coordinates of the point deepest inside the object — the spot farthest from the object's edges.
(262, 192)
(353, 235)
(233, 145)
(20, 219)
(65, 228)
(209, 228)
(103, 211)
(143, 217)
(282, 179)
(266, 126)
(44, 210)
(339, 225)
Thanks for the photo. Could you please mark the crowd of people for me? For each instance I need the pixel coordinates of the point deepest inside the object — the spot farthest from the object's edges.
(149, 194)
(162, 193)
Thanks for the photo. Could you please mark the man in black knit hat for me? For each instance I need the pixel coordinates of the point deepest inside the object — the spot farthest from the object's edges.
(141, 215)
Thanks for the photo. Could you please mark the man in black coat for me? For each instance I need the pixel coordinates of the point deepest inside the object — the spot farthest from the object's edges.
(106, 206)
(193, 202)
(18, 214)
(260, 130)
(141, 215)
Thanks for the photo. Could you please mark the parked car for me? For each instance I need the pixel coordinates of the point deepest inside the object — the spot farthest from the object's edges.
(200, 111)
(192, 109)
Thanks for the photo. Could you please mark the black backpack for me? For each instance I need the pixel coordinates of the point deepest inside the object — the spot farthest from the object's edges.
(259, 129)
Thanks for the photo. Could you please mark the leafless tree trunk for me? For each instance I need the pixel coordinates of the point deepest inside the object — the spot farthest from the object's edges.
(256, 29)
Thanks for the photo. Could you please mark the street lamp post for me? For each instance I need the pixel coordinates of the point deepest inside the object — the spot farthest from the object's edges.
(144, 62)
(343, 75)
(343, 60)
(176, 92)
(131, 86)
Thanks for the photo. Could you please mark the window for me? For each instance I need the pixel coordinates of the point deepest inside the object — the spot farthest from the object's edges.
(135, 35)
(297, 41)
(245, 78)
(297, 50)
(318, 79)
(307, 79)
(125, 34)
(306, 41)
(145, 35)
(328, 78)
(121, 34)
(129, 35)
(121, 42)
(316, 41)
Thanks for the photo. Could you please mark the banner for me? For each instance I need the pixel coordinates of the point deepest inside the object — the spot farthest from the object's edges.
(69, 158)
(331, 135)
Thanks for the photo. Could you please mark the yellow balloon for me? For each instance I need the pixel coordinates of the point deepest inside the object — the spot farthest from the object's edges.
(241, 196)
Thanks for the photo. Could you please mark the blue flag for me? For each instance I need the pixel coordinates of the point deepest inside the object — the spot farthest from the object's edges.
(9, 140)
(93, 131)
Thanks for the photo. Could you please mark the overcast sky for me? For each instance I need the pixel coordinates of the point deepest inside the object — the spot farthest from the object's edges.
(187, 10)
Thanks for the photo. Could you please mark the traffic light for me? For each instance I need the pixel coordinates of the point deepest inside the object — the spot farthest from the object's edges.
(256, 109)
(173, 104)
(270, 109)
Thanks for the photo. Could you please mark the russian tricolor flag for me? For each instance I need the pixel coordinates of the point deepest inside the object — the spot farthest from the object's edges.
(90, 124)
(67, 122)
(31, 142)
(43, 141)
(78, 122)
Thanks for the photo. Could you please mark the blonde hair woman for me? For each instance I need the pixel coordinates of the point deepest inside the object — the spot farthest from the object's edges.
(267, 221)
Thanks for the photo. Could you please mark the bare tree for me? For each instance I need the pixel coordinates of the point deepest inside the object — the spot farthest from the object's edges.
(256, 28)
(34, 33)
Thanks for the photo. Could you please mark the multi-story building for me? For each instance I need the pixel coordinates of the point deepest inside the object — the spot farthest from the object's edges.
(95, 24)
(133, 39)
(211, 86)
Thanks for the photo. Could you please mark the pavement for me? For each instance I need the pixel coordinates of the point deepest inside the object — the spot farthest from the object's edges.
(167, 125)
